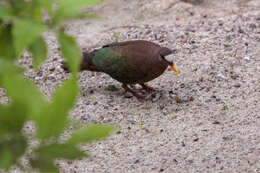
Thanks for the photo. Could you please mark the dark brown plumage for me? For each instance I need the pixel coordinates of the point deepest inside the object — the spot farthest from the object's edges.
(130, 62)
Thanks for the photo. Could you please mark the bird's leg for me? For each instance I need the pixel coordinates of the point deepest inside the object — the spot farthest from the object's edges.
(131, 91)
(147, 88)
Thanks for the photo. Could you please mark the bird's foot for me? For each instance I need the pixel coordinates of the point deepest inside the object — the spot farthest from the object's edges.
(147, 88)
(138, 96)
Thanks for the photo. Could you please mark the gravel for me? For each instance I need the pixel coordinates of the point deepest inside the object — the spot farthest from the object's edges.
(218, 55)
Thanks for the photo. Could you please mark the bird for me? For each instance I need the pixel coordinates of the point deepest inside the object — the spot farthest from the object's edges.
(129, 62)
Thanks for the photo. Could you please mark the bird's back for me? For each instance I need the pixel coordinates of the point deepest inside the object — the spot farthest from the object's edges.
(131, 61)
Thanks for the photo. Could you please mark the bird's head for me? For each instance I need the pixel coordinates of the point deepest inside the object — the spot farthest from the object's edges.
(168, 57)
(87, 62)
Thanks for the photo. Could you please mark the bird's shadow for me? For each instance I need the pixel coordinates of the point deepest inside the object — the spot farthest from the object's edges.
(116, 92)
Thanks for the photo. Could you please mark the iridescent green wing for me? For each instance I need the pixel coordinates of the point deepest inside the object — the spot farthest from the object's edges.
(114, 64)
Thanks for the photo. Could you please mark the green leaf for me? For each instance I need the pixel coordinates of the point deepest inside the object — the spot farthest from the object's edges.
(39, 52)
(91, 133)
(70, 51)
(25, 32)
(11, 149)
(87, 16)
(36, 12)
(12, 119)
(44, 164)
(116, 34)
(47, 4)
(30, 10)
(60, 151)
(6, 13)
(53, 119)
(46, 155)
(21, 91)
(20, 8)
(68, 9)
(6, 43)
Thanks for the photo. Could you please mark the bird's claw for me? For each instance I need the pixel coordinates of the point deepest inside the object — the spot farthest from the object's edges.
(148, 88)
(138, 96)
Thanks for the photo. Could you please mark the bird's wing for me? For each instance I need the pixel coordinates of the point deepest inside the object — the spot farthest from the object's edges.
(116, 65)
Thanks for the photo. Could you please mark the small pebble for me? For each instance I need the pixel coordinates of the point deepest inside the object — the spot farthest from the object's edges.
(216, 122)
(252, 26)
(161, 170)
(237, 85)
(38, 78)
(128, 95)
(247, 57)
(195, 140)
(222, 76)
(52, 69)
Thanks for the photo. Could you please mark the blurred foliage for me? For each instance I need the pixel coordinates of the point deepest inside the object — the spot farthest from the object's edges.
(22, 24)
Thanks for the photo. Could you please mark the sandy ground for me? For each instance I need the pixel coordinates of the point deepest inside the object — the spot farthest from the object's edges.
(217, 48)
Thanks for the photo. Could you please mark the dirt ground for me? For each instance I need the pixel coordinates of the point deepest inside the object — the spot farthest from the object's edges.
(217, 47)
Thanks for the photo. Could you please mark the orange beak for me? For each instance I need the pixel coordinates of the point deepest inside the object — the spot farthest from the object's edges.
(174, 69)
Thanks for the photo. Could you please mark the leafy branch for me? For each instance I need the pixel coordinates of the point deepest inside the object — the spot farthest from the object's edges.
(21, 26)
